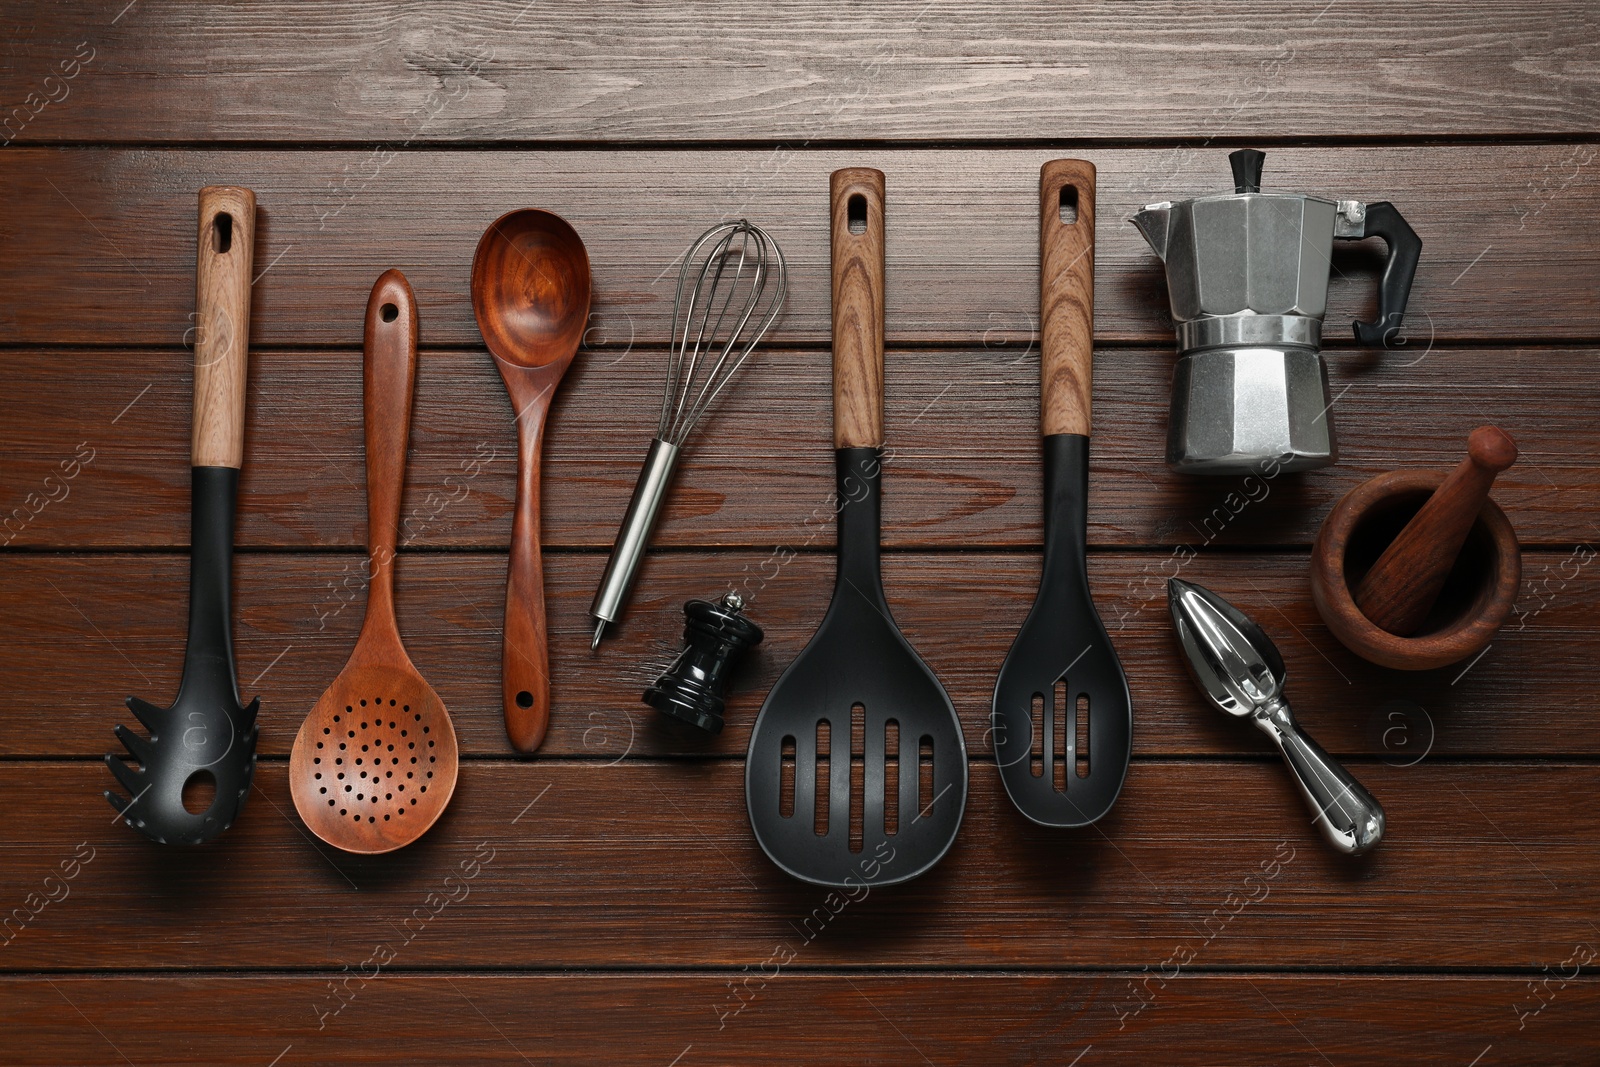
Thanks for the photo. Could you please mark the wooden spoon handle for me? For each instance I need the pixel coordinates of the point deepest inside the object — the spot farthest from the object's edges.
(1400, 589)
(222, 324)
(389, 381)
(525, 653)
(1066, 295)
(857, 207)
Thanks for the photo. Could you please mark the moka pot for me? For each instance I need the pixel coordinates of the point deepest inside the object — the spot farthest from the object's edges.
(1247, 274)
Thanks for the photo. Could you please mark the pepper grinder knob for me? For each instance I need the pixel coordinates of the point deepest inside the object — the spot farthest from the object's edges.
(1246, 164)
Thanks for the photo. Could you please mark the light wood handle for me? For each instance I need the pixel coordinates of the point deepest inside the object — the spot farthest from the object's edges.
(222, 324)
(1066, 295)
(1400, 589)
(857, 193)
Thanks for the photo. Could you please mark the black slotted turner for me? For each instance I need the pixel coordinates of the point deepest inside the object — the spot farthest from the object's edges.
(896, 768)
(1062, 666)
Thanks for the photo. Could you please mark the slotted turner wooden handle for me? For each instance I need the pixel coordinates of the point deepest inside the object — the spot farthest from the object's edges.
(857, 195)
(227, 241)
(1066, 295)
(389, 376)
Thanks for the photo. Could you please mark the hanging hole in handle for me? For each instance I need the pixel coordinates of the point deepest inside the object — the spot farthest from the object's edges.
(222, 232)
(1069, 205)
(389, 312)
(855, 210)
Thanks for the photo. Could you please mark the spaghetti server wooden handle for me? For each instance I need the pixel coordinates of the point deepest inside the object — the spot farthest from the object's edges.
(1399, 590)
(1066, 295)
(857, 209)
(222, 324)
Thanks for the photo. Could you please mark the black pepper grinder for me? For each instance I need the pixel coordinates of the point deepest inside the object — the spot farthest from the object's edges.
(715, 636)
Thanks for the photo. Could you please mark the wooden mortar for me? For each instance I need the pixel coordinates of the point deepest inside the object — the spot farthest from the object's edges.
(1474, 601)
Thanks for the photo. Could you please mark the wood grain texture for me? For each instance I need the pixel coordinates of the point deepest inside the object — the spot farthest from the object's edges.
(962, 258)
(224, 266)
(857, 222)
(389, 385)
(1481, 597)
(375, 762)
(115, 624)
(963, 426)
(531, 289)
(344, 755)
(795, 70)
(525, 639)
(585, 865)
(748, 1017)
(1066, 296)
(607, 901)
(1402, 586)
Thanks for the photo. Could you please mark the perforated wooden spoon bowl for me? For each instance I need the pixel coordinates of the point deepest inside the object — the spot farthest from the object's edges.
(375, 762)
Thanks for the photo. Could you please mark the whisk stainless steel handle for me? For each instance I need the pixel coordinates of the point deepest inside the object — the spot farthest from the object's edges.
(731, 290)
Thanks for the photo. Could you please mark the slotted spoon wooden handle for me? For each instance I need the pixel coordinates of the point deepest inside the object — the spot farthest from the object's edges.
(227, 241)
(389, 379)
(1066, 295)
(857, 200)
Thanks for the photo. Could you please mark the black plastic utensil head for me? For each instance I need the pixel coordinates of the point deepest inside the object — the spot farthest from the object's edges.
(857, 768)
(206, 739)
(1062, 719)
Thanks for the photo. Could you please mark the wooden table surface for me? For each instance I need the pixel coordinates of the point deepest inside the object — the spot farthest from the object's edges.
(618, 909)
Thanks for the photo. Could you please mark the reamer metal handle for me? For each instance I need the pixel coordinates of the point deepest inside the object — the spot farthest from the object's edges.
(1346, 814)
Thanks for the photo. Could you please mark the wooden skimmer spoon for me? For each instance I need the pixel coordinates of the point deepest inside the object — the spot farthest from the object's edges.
(375, 762)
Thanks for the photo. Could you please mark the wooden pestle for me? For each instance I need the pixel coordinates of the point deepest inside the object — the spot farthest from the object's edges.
(1399, 590)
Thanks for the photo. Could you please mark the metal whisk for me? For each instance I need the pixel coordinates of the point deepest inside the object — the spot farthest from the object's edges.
(731, 289)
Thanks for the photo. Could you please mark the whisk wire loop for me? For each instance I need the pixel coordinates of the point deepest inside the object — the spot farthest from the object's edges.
(734, 276)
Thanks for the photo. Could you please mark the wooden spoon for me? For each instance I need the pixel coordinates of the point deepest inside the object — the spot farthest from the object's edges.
(530, 293)
(374, 764)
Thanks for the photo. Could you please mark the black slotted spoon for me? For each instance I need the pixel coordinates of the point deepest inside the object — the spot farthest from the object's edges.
(896, 765)
(1062, 673)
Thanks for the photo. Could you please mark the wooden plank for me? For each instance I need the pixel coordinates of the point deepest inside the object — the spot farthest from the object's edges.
(654, 865)
(606, 901)
(111, 625)
(97, 246)
(870, 1018)
(796, 70)
(963, 426)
